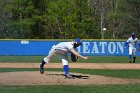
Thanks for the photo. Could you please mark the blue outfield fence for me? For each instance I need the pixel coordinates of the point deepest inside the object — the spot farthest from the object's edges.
(38, 48)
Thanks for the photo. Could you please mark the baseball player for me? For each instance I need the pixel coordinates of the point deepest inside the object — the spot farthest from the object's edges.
(132, 42)
(63, 48)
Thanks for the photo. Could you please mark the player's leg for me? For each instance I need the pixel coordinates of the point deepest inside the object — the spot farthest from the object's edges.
(130, 54)
(47, 59)
(134, 55)
(65, 65)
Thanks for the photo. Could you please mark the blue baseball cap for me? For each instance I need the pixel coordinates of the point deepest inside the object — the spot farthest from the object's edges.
(78, 40)
(133, 34)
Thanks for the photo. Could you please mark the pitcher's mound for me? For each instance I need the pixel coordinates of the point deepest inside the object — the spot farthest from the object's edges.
(58, 78)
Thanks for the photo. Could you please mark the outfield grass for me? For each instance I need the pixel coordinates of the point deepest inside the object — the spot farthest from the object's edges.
(133, 88)
(92, 59)
(26, 59)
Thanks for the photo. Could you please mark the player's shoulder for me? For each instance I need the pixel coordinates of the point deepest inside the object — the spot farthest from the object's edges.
(130, 38)
(136, 38)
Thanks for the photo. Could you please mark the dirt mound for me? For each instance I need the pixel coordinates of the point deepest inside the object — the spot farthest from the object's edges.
(58, 78)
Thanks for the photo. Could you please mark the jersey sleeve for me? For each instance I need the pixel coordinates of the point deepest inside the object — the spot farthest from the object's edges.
(128, 40)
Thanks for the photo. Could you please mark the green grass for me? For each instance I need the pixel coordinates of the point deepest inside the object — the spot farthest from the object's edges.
(92, 59)
(125, 88)
(132, 74)
(26, 59)
(133, 88)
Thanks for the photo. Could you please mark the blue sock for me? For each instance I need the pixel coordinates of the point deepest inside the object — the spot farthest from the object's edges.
(66, 69)
(42, 64)
(130, 57)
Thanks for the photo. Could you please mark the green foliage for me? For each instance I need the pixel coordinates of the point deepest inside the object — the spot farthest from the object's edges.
(40, 19)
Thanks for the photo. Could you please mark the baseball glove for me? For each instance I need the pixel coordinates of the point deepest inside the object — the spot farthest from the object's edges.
(73, 58)
(139, 49)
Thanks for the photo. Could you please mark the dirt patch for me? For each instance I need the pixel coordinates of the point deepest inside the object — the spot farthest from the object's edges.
(58, 78)
(74, 65)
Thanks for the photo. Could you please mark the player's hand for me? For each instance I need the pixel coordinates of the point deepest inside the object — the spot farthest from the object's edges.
(124, 46)
(85, 57)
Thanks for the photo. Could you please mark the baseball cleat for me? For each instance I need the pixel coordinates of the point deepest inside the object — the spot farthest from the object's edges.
(129, 61)
(41, 70)
(69, 76)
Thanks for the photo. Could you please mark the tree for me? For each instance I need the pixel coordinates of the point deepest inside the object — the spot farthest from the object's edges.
(134, 15)
(39, 19)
